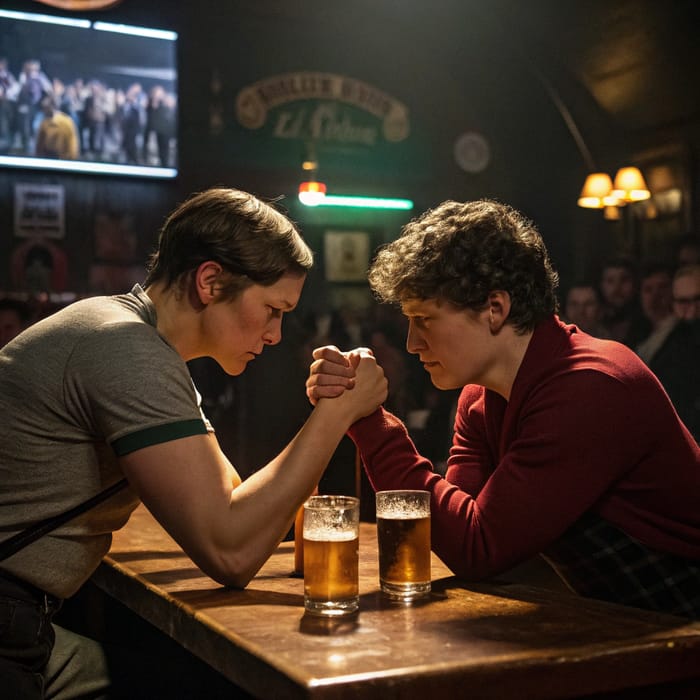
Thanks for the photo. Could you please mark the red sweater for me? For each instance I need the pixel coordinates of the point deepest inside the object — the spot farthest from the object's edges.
(588, 426)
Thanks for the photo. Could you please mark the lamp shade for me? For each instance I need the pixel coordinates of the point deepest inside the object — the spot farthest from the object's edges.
(630, 185)
(596, 191)
(312, 193)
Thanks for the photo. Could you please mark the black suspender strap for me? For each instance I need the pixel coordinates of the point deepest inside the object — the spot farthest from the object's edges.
(13, 544)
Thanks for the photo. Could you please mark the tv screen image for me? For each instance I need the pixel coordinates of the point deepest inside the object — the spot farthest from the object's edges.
(89, 96)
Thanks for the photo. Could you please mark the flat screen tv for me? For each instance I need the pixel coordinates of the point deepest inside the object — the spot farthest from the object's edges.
(87, 96)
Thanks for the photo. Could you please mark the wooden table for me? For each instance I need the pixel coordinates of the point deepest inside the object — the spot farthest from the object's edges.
(478, 641)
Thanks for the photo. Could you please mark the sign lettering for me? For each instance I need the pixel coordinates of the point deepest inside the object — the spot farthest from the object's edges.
(324, 118)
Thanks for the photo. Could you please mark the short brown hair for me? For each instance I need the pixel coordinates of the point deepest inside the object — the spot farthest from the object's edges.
(251, 240)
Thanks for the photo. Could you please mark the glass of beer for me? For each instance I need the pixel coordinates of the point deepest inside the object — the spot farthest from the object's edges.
(403, 537)
(331, 549)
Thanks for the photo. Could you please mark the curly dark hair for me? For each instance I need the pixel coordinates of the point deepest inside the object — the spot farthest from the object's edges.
(250, 239)
(460, 252)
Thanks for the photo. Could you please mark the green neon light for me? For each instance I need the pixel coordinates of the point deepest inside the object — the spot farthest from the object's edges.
(337, 200)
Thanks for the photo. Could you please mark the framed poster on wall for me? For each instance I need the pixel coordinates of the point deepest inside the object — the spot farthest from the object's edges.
(346, 255)
(39, 211)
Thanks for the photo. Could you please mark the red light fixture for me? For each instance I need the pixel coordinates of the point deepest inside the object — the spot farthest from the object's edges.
(311, 193)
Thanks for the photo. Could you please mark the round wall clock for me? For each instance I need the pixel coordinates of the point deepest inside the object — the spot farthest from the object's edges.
(472, 152)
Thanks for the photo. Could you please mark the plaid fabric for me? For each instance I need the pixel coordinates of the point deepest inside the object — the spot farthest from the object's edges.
(598, 560)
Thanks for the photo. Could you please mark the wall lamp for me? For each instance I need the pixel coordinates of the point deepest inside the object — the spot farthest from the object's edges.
(599, 191)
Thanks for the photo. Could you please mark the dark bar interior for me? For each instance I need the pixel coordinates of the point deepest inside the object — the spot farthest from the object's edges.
(353, 119)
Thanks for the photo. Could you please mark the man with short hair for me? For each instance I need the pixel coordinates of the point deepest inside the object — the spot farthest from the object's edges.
(58, 135)
(686, 292)
(622, 314)
(656, 302)
(583, 308)
(564, 444)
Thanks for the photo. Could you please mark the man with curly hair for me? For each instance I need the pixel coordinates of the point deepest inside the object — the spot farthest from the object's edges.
(564, 445)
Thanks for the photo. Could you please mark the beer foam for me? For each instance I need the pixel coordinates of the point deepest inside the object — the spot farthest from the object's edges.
(402, 512)
(329, 536)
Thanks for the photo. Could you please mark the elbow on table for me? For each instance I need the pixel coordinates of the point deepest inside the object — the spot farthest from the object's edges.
(231, 569)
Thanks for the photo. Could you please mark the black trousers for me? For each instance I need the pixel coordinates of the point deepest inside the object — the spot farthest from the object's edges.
(41, 660)
(26, 638)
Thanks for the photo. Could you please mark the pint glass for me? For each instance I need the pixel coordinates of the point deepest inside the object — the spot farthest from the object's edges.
(331, 548)
(403, 533)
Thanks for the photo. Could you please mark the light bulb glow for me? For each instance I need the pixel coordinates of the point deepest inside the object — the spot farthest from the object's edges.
(630, 185)
(595, 191)
(312, 193)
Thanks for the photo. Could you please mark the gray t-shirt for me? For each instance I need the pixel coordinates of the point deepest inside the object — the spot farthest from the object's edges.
(92, 382)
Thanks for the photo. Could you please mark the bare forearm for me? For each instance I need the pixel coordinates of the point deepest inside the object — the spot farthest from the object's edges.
(262, 509)
(227, 532)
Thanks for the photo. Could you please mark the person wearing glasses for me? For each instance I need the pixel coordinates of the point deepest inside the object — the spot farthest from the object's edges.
(677, 362)
(686, 292)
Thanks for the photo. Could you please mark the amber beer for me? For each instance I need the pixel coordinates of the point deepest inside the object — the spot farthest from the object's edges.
(403, 535)
(332, 568)
(331, 549)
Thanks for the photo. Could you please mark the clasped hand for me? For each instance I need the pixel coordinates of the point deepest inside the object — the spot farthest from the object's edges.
(334, 373)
